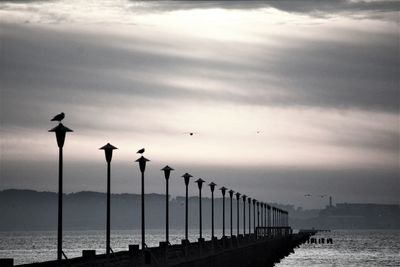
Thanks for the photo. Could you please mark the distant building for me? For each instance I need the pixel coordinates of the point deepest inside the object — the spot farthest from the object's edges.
(360, 216)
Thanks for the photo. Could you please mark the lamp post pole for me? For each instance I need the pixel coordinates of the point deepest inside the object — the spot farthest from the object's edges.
(269, 219)
(244, 214)
(231, 196)
(265, 214)
(254, 215)
(258, 214)
(200, 185)
(237, 213)
(186, 176)
(167, 171)
(212, 187)
(249, 200)
(273, 220)
(279, 220)
(108, 150)
(223, 190)
(60, 130)
(142, 165)
(262, 212)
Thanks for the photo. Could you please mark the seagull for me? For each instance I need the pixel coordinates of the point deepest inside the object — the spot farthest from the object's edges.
(58, 117)
(140, 151)
(190, 133)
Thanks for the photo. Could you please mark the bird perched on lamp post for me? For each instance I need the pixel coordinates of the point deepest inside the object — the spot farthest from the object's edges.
(58, 117)
(140, 151)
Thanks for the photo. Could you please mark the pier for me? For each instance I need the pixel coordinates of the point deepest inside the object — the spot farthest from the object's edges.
(265, 247)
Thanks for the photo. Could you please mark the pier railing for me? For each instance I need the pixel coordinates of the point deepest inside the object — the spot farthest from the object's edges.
(226, 251)
(273, 231)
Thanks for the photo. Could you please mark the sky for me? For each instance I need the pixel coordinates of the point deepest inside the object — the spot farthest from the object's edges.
(285, 98)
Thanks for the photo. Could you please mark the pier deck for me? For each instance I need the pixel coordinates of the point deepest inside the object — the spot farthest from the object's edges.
(266, 247)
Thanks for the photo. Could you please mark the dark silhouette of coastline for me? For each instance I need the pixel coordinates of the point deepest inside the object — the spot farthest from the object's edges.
(32, 210)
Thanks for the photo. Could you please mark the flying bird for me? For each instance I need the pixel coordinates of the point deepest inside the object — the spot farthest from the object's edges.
(190, 133)
(58, 117)
(307, 195)
(140, 151)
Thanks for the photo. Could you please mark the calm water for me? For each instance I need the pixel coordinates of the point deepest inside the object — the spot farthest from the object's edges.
(36, 246)
(374, 248)
(349, 248)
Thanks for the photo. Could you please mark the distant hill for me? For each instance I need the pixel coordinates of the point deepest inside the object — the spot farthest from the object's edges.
(32, 210)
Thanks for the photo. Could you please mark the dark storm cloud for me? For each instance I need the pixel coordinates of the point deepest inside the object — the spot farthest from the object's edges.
(315, 72)
(310, 7)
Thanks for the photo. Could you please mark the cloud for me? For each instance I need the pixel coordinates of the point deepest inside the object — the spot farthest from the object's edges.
(323, 90)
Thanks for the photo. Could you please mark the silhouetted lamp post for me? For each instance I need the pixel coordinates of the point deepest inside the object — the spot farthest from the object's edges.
(237, 215)
(261, 211)
(223, 191)
(60, 130)
(280, 217)
(108, 150)
(167, 171)
(244, 214)
(265, 214)
(142, 166)
(258, 214)
(200, 185)
(212, 187)
(269, 219)
(231, 196)
(273, 220)
(254, 215)
(186, 176)
(249, 201)
(286, 218)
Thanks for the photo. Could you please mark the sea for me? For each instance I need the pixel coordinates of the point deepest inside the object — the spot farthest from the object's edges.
(374, 248)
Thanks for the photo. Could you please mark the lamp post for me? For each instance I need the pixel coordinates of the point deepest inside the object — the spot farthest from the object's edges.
(269, 219)
(212, 187)
(258, 214)
(249, 201)
(200, 185)
(60, 130)
(108, 150)
(244, 214)
(237, 213)
(287, 219)
(273, 220)
(265, 214)
(231, 196)
(223, 191)
(279, 220)
(186, 177)
(261, 211)
(142, 166)
(167, 171)
(254, 215)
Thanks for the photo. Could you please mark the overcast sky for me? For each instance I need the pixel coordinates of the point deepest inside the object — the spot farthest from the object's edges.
(285, 98)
